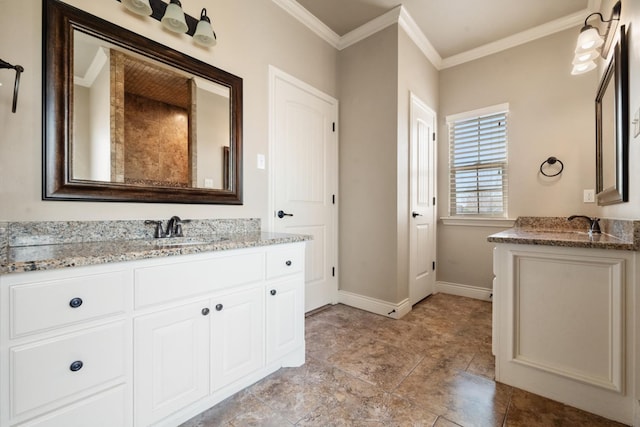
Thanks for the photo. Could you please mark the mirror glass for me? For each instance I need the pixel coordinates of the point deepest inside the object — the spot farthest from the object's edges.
(140, 122)
(612, 112)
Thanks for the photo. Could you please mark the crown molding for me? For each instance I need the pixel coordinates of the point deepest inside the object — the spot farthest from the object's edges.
(310, 21)
(94, 69)
(400, 16)
(370, 28)
(561, 24)
(413, 31)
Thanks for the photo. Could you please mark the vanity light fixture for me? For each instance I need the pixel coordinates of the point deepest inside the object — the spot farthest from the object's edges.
(174, 19)
(140, 7)
(590, 42)
(204, 34)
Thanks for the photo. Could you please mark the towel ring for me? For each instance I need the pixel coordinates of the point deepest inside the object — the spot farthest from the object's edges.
(552, 160)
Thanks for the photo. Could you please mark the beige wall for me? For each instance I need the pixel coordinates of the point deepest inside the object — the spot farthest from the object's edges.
(376, 78)
(251, 35)
(551, 114)
(368, 74)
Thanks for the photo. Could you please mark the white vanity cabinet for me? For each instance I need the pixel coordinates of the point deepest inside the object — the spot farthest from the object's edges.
(564, 325)
(159, 340)
(65, 348)
(172, 360)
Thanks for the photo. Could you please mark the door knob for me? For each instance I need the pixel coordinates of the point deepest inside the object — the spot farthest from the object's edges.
(415, 214)
(282, 214)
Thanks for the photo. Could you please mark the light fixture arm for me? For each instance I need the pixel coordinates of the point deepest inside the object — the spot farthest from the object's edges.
(16, 86)
(615, 16)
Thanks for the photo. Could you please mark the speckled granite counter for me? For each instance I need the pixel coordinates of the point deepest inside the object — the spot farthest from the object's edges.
(44, 252)
(557, 231)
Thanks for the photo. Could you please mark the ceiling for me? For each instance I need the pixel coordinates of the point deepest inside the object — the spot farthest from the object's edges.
(454, 27)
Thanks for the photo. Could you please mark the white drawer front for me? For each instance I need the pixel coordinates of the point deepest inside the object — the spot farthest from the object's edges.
(42, 373)
(158, 284)
(50, 304)
(106, 409)
(283, 260)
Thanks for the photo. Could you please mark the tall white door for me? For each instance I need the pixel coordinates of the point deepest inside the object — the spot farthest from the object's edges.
(303, 172)
(422, 240)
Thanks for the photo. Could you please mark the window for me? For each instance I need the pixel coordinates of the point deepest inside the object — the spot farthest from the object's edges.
(478, 162)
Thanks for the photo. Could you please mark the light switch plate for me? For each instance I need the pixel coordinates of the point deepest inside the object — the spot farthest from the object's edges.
(261, 161)
(636, 123)
(589, 196)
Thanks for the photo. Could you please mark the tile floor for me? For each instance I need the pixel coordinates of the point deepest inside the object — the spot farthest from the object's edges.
(431, 368)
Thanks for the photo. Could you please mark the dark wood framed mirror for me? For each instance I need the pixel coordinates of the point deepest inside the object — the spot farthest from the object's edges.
(128, 119)
(612, 128)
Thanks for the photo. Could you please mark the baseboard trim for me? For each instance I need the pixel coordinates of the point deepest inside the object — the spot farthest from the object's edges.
(464, 290)
(373, 305)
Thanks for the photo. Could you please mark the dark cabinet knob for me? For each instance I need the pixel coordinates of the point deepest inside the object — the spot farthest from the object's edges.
(205, 311)
(75, 302)
(219, 307)
(273, 292)
(76, 366)
(288, 263)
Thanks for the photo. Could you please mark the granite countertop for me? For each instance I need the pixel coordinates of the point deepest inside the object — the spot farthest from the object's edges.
(51, 256)
(616, 235)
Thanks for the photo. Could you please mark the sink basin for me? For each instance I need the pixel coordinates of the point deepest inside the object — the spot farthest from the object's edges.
(187, 241)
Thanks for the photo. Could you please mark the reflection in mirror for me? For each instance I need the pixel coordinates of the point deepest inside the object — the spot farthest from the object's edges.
(128, 119)
(139, 122)
(612, 112)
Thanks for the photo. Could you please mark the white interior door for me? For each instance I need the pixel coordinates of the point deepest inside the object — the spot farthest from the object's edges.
(304, 169)
(422, 241)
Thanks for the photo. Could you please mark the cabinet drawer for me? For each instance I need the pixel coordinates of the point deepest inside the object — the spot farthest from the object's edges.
(158, 284)
(44, 372)
(50, 304)
(284, 260)
(106, 409)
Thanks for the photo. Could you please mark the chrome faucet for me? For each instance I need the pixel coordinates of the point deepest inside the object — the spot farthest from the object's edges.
(594, 224)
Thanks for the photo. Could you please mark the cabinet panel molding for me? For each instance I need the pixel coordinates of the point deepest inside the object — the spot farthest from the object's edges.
(568, 317)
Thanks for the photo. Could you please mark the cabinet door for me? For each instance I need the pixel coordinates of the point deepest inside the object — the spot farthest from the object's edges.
(171, 360)
(237, 345)
(285, 317)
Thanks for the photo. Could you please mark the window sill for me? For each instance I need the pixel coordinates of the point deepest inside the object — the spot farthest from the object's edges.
(478, 222)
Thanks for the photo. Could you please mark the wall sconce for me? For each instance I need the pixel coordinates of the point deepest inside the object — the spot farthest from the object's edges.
(590, 42)
(174, 19)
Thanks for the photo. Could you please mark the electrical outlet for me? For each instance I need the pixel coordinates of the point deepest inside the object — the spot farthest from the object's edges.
(589, 196)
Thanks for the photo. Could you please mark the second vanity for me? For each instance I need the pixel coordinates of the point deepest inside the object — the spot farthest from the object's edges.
(147, 332)
(566, 314)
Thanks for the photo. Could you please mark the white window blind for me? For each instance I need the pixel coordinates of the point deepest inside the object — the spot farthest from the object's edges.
(478, 162)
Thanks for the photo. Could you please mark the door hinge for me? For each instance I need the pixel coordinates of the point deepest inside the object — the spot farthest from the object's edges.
(333, 271)
(433, 136)
(334, 126)
(434, 201)
(433, 265)
(333, 199)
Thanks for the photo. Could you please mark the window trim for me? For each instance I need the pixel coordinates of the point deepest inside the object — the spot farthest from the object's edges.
(477, 113)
